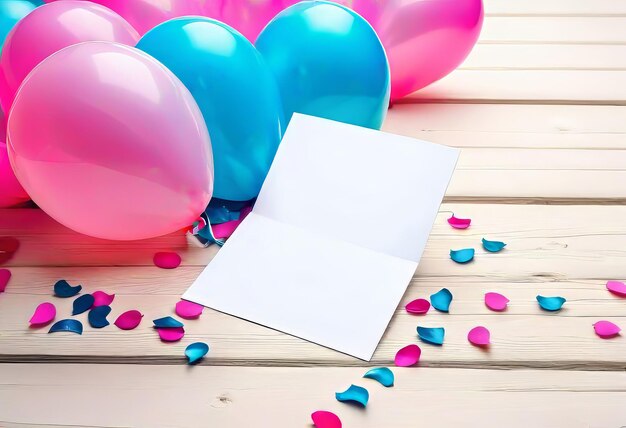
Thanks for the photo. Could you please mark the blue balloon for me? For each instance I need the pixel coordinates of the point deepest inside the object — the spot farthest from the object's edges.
(328, 62)
(236, 92)
(12, 11)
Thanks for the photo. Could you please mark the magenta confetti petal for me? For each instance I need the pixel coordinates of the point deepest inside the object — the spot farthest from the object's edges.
(418, 306)
(173, 334)
(606, 329)
(408, 356)
(459, 223)
(5, 276)
(616, 287)
(188, 310)
(167, 260)
(496, 301)
(325, 419)
(44, 314)
(479, 336)
(100, 298)
(225, 230)
(128, 320)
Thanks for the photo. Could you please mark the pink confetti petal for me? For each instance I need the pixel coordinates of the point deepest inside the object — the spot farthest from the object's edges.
(44, 313)
(418, 306)
(479, 336)
(616, 287)
(5, 276)
(459, 223)
(171, 334)
(324, 419)
(606, 329)
(408, 356)
(100, 298)
(167, 260)
(128, 320)
(496, 301)
(188, 310)
(224, 230)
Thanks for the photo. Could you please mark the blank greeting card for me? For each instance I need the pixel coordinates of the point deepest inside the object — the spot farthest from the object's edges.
(335, 236)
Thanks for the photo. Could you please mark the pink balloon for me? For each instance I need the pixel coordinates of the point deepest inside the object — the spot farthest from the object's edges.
(50, 28)
(11, 191)
(110, 143)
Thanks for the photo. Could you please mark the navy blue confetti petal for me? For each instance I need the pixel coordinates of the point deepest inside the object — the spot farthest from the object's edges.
(196, 351)
(98, 316)
(551, 304)
(441, 300)
(73, 326)
(431, 335)
(167, 322)
(381, 374)
(63, 289)
(82, 304)
(493, 246)
(354, 394)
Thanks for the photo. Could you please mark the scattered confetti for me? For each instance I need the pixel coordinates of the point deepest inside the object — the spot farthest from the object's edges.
(551, 304)
(5, 276)
(63, 289)
(167, 322)
(418, 306)
(616, 287)
(128, 320)
(493, 246)
(479, 336)
(324, 419)
(462, 256)
(44, 314)
(188, 310)
(459, 223)
(8, 247)
(496, 301)
(606, 329)
(173, 334)
(98, 316)
(441, 300)
(82, 304)
(381, 374)
(70, 325)
(431, 335)
(354, 394)
(196, 351)
(100, 298)
(167, 260)
(408, 356)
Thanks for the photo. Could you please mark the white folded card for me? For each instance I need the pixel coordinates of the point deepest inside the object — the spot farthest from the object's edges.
(335, 236)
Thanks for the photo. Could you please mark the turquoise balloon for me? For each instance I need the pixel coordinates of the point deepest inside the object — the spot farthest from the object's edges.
(236, 92)
(12, 11)
(328, 62)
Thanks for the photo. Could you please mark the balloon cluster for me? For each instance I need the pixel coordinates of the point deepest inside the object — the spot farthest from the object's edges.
(126, 116)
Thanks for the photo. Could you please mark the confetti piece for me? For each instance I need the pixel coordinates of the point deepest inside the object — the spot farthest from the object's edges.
(493, 246)
(98, 316)
(462, 256)
(63, 289)
(128, 320)
(100, 298)
(8, 247)
(5, 276)
(551, 304)
(354, 394)
(408, 356)
(167, 260)
(496, 301)
(196, 351)
(171, 334)
(188, 310)
(167, 322)
(459, 223)
(44, 313)
(433, 335)
(606, 329)
(441, 300)
(324, 419)
(70, 325)
(479, 336)
(82, 304)
(381, 374)
(418, 306)
(616, 287)
(225, 230)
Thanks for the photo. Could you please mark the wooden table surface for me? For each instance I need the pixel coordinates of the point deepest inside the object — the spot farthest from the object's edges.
(539, 110)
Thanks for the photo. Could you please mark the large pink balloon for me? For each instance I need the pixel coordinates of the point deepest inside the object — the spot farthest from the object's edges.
(11, 191)
(107, 141)
(50, 28)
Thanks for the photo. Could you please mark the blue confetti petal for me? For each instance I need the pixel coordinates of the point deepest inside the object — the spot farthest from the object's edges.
(354, 394)
(167, 322)
(73, 326)
(381, 374)
(196, 351)
(551, 304)
(82, 304)
(462, 256)
(63, 289)
(441, 300)
(431, 335)
(98, 316)
(493, 246)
